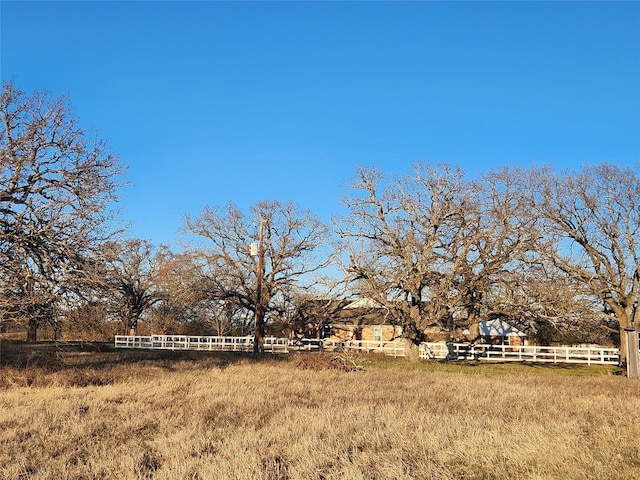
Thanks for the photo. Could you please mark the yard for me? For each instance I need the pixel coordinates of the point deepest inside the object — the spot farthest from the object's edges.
(194, 415)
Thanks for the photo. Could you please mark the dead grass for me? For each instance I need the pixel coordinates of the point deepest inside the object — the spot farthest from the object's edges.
(170, 415)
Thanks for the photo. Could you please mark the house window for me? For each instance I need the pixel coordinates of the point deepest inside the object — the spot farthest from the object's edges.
(326, 331)
(377, 334)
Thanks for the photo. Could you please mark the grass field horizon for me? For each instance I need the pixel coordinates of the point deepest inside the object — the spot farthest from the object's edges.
(90, 411)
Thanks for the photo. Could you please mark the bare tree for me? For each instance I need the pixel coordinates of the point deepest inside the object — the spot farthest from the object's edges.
(430, 245)
(187, 304)
(593, 218)
(396, 235)
(294, 250)
(57, 183)
(178, 278)
(550, 305)
(494, 240)
(131, 280)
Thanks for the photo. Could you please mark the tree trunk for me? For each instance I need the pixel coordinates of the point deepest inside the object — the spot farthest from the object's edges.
(258, 337)
(57, 330)
(132, 325)
(411, 350)
(624, 350)
(474, 332)
(624, 317)
(32, 331)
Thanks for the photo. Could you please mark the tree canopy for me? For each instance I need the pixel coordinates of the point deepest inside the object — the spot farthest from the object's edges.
(57, 184)
(293, 242)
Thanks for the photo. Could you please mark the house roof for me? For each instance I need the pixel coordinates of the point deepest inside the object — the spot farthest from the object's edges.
(499, 328)
(366, 302)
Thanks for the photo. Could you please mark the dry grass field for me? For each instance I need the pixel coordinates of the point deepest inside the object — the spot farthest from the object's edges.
(170, 415)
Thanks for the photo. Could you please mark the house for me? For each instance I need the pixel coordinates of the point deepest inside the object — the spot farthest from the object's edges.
(370, 327)
(365, 319)
(362, 319)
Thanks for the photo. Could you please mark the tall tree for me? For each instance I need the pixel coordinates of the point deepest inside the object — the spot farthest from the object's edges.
(593, 218)
(294, 249)
(494, 240)
(131, 280)
(430, 245)
(186, 305)
(396, 234)
(57, 184)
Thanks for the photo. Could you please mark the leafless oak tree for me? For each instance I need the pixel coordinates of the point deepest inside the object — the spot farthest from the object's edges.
(430, 245)
(57, 184)
(494, 241)
(294, 250)
(186, 305)
(593, 218)
(131, 280)
(396, 234)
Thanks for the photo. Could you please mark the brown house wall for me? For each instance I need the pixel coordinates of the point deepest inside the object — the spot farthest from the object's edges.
(347, 332)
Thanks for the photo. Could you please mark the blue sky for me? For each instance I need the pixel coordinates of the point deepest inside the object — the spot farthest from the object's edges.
(210, 102)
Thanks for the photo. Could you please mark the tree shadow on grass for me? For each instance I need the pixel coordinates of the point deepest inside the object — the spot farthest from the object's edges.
(497, 367)
(85, 364)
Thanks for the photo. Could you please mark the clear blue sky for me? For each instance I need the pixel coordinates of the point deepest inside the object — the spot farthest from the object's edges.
(210, 102)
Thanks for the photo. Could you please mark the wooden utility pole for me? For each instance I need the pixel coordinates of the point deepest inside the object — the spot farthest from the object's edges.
(258, 337)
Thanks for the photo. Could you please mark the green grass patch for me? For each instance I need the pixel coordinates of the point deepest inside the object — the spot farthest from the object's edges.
(491, 368)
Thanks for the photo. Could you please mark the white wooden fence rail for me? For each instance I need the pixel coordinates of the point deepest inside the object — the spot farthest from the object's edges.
(245, 344)
(451, 351)
(508, 353)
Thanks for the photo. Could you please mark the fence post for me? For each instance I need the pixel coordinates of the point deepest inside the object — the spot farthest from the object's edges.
(633, 355)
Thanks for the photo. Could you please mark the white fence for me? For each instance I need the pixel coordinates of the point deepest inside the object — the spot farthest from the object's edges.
(245, 344)
(450, 351)
(509, 353)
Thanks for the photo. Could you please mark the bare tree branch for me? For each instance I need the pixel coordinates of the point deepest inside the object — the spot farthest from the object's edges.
(58, 183)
